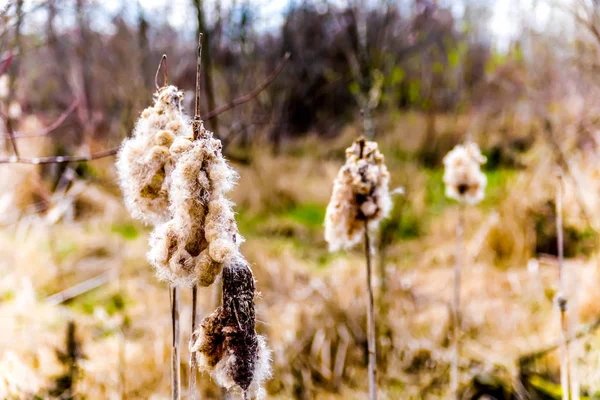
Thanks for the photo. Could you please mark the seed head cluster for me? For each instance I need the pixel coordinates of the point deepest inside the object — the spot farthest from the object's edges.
(462, 174)
(145, 162)
(202, 234)
(360, 194)
(179, 183)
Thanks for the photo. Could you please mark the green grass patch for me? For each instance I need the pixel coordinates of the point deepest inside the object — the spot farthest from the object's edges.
(127, 231)
(310, 215)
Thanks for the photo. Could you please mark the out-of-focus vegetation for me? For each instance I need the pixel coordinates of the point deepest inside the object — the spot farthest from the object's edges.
(431, 73)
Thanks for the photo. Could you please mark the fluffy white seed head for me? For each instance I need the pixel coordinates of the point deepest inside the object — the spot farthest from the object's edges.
(202, 233)
(145, 162)
(360, 194)
(462, 174)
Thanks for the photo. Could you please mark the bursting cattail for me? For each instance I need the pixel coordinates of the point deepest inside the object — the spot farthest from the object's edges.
(226, 344)
(199, 242)
(191, 248)
(360, 193)
(144, 162)
(462, 174)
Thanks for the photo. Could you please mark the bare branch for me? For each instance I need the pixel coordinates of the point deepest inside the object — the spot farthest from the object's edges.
(198, 77)
(59, 159)
(163, 61)
(112, 151)
(50, 128)
(251, 95)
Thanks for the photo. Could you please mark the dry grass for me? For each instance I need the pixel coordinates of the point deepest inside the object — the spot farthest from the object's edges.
(312, 304)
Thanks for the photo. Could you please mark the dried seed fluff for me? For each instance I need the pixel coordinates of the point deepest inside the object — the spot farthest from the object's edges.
(462, 174)
(202, 234)
(360, 193)
(144, 162)
(226, 344)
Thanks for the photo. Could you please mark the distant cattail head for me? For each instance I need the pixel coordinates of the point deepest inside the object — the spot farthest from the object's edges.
(226, 344)
(145, 163)
(360, 194)
(4, 87)
(202, 234)
(462, 174)
(14, 110)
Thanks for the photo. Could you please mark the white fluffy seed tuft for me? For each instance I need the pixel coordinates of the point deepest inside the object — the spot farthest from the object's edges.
(145, 162)
(462, 174)
(360, 194)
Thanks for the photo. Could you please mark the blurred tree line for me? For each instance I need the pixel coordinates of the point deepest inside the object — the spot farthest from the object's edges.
(386, 55)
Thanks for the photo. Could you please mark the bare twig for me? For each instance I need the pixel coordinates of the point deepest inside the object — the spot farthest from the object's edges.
(163, 61)
(8, 124)
(50, 128)
(581, 333)
(112, 151)
(197, 121)
(370, 320)
(58, 159)
(192, 382)
(175, 357)
(79, 289)
(456, 318)
(250, 95)
(565, 359)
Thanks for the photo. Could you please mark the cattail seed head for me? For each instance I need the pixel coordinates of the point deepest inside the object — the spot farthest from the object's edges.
(226, 344)
(145, 162)
(360, 193)
(462, 174)
(202, 234)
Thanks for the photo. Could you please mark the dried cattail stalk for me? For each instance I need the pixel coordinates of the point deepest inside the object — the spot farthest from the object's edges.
(191, 248)
(360, 200)
(462, 174)
(466, 183)
(226, 344)
(562, 300)
(145, 162)
(360, 193)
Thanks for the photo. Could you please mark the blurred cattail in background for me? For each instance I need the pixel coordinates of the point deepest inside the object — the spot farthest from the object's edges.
(360, 194)
(360, 200)
(465, 183)
(462, 174)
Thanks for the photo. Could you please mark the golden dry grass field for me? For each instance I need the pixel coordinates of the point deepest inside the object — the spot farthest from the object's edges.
(312, 305)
